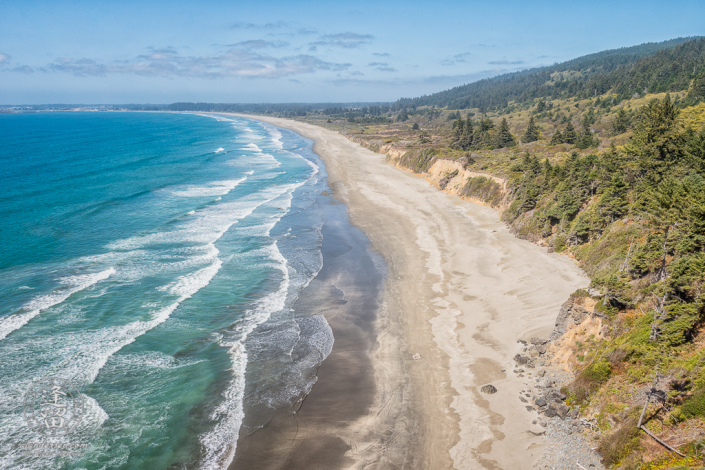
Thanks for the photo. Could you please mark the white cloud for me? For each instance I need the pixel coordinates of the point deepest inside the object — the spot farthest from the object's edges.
(260, 44)
(167, 62)
(345, 40)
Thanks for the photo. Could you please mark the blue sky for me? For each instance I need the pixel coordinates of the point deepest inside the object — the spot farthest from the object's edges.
(303, 51)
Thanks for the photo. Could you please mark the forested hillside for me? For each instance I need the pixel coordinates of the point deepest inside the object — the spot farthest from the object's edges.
(648, 68)
(606, 165)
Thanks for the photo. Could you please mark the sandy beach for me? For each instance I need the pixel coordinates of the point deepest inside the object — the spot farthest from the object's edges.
(460, 290)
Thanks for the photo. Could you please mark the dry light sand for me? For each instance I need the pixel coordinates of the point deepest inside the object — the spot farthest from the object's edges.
(460, 291)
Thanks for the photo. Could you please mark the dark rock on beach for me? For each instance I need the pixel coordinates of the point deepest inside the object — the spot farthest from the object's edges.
(521, 359)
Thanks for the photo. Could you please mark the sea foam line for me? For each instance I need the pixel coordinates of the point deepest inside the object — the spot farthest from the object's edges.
(73, 284)
(215, 188)
(185, 287)
(220, 442)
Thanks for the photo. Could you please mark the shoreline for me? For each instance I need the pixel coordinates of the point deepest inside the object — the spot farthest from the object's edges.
(457, 297)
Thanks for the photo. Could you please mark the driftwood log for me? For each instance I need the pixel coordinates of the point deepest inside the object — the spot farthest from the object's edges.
(640, 426)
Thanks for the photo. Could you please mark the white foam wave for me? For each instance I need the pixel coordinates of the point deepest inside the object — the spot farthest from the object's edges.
(103, 344)
(216, 188)
(209, 224)
(276, 136)
(153, 359)
(221, 149)
(315, 167)
(69, 286)
(213, 224)
(220, 443)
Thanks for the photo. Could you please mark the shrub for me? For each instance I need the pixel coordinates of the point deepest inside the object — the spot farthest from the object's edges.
(694, 405)
(618, 445)
(590, 379)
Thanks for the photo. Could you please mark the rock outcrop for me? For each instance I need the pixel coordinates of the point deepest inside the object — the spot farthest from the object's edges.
(573, 312)
(489, 389)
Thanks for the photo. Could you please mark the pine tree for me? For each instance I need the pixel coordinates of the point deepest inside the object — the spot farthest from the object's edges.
(504, 137)
(541, 106)
(658, 144)
(532, 132)
(585, 139)
(613, 202)
(458, 130)
(483, 136)
(569, 135)
(557, 138)
(620, 124)
(698, 90)
(466, 137)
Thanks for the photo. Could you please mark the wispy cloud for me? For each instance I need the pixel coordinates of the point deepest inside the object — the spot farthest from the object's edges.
(236, 62)
(382, 66)
(505, 62)
(259, 44)
(381, 54)
(4, 58)
(245, 25)
(345, 40)
(23, 69)
(456, 59)
(306, 31)
(436, 81)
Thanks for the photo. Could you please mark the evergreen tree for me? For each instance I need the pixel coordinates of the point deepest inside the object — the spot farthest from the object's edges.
(620, 124)
(466, 138)
(614, 203)
(696, 151)
(585, 139)
(569, 135)
(532, 132)
(541, 106)
(458, 130)
(504, 137)
(658, 144)
(483, 133)
(557, 138)
(698, 90)
(665, 207)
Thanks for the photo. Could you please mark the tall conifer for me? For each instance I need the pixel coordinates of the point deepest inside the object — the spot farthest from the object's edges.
(504, 136)
(532, 132)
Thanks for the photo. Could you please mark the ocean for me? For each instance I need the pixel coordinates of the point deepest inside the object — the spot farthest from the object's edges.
(151, 261)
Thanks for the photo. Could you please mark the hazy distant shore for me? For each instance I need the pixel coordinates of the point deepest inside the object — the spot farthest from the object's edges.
(460, 291)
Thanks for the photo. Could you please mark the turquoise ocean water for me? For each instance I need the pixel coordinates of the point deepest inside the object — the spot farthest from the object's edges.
(151, 260)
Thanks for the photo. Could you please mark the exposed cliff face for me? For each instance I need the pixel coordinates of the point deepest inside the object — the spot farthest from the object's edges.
(573, 313)
(450, 176)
